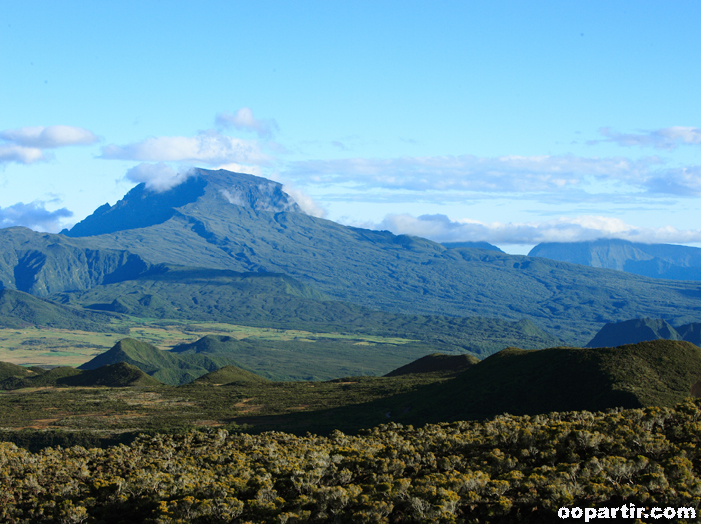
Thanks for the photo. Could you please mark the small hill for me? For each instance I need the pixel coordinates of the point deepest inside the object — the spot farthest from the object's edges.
(633, 331)
(50, 378)
(114, 376)
(164, 366)
(13, 371)
(118, 375)
(437, 362)
(19, 309)
(230, 375)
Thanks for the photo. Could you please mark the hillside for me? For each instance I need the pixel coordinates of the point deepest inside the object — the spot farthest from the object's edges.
(279, 301)
(666, 261)
(230, 375)
(519, 382)
(18, 309)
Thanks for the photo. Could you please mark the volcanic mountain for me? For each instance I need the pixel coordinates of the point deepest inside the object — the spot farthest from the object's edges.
(232, 221)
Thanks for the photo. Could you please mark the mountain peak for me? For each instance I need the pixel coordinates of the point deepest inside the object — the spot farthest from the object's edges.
(143, 207)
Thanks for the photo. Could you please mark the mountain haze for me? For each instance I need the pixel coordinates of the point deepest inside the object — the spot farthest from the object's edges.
(665, 261)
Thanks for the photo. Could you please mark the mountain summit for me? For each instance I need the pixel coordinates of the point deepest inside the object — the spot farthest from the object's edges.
(143, 207)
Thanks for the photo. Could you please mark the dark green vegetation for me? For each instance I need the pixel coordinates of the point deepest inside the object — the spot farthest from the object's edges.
(276, 300)
(506, 470)
(666, 261)
(247, 224)
(113, 376)
(642, 329)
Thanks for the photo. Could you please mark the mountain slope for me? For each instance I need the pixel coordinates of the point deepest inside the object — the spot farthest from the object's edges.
(436, 362)
(18, 309)
(397, 273)
(665, 261)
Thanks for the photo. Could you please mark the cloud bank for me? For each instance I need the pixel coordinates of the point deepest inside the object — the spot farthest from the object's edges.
(667, 138)
(243, 120)
(440, 228)
(27, 145)
(551, 174)
(34, 216)
(209, 147)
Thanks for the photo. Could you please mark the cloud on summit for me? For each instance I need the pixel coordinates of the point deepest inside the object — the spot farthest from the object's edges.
(26, 145)
(440, 228)
(158, 177)
(208, 147)
(243, 120)
(34, 216)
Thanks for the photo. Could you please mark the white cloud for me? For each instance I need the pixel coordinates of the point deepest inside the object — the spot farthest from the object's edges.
(34, 216)
(243, 120)
(241, 168)
(666, 138)
(208, 147)
(49, 137)
(158, 177)
(26, 145)
(440, 228)
(307, 203)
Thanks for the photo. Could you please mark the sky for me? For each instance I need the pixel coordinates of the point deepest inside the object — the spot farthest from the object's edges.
(514, 123)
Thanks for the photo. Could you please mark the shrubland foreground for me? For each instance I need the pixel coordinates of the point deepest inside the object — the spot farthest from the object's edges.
(508, 469)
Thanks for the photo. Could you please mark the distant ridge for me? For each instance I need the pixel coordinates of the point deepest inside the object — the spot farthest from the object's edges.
(230, 375)
(644, 329)
(667, 261)
(472, 245)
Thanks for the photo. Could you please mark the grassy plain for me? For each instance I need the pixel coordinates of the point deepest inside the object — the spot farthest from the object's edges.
(35, 346)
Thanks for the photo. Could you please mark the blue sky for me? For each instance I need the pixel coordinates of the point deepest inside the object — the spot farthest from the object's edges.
(510, 122)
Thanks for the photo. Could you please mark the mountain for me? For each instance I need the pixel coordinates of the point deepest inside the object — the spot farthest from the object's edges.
(666, 261)
(8, 370)
(436, 363)
(142, 208)
(690, 332)
(18, 309)
(236, 222)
